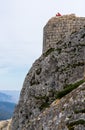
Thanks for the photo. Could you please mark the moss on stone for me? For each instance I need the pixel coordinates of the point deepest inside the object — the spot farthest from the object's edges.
(44, 101)
(71, 128)
(41, 97)
(57, 95)
(48, 52)
(68, 89)
(80, 111)
(44, 105)
(77, 122)
(77, 64)
(59, 50)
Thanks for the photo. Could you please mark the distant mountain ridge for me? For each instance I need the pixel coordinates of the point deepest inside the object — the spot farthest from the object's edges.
(6, 110)
(4, 97)
(8, 101)
(9, 95)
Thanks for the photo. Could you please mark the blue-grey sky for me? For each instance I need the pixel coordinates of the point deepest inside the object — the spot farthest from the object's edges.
(21, 34)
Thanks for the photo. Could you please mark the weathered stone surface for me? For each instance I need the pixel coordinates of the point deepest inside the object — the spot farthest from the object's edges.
(67, 113)
(59, 28)
(59, 65)
(5, 125)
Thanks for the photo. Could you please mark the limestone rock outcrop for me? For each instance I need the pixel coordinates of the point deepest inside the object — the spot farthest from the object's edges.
(60, 65)
(5, 125)
(68, 113)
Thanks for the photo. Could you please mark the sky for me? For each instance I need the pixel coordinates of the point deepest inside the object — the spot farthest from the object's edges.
(21, 34)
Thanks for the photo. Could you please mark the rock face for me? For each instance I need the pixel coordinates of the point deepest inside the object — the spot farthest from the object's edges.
(61, 64)
(67, 113)
(5, 125)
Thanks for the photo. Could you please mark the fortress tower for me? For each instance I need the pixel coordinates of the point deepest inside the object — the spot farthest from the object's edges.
(58, 33)
(60, 28)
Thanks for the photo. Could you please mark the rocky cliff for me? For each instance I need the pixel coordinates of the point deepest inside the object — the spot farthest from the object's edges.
(67, 113)
(5, 125)
(46, 101)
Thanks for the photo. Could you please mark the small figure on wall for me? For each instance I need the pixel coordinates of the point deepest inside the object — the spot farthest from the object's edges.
(58, 14)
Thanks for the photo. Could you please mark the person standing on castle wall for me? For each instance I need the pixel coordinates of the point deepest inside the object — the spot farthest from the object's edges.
(58, 14)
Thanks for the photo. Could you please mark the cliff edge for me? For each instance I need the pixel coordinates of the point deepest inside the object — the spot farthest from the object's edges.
(58, 71)
(5, 125)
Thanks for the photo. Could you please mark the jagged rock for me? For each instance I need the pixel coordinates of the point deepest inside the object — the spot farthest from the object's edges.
(5, 125)
(67, 113)
(61, 64)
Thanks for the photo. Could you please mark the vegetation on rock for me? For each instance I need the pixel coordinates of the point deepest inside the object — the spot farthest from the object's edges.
(68, 89)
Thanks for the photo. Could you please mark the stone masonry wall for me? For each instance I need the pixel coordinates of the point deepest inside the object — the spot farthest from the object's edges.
(59, 28)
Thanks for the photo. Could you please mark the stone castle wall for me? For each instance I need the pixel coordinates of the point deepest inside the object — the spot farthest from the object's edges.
(59, 28)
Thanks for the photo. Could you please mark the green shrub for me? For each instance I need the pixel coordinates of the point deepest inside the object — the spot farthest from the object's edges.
(68, 89)
(57, 95)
